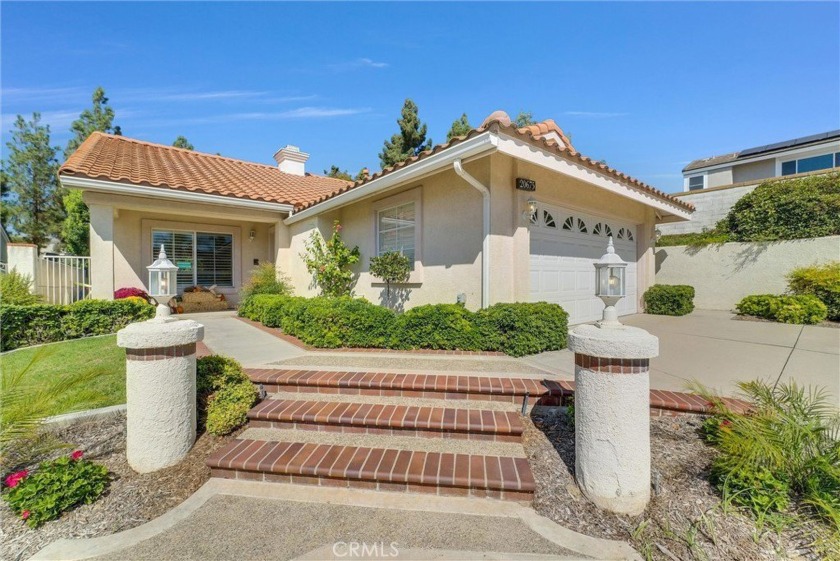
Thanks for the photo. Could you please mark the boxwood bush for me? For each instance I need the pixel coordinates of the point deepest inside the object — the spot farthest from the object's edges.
(41, 323)
(225, 394)
(800, 309)
(669, 299)
(516, 329)
(820, 281)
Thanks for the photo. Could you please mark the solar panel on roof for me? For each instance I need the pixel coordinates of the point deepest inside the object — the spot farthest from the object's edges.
(788, 143)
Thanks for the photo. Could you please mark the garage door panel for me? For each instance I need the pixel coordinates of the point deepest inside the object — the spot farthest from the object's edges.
(562, 262)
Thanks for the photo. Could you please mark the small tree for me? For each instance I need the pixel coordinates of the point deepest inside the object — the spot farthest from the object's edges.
(75, 231)
(524, 119)
(391, 266)
(182, 142)
(329, 261)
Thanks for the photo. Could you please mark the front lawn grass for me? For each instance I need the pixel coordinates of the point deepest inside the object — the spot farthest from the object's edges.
(60, 359)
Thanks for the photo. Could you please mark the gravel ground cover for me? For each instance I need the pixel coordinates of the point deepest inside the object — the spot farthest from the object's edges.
(685, 519)
(131, 499)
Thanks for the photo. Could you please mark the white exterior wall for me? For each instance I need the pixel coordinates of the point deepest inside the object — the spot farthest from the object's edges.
(724, 274)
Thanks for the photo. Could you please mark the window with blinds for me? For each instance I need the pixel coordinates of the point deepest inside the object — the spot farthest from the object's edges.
(202, 258)
(395, 230)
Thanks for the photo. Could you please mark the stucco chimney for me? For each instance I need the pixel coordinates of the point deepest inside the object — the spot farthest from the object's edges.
(291, 160)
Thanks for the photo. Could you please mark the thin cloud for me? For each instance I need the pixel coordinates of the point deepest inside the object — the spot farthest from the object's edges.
(299, 113)
(359, 63)
(12, 95)
(594, 114)
(57, 120)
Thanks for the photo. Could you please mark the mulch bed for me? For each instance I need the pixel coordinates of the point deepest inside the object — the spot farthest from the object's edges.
(131, 499)
(685, 519)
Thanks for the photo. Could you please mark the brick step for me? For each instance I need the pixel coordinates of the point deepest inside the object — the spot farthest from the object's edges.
(375, 468)
(337, 416)
(543, 392)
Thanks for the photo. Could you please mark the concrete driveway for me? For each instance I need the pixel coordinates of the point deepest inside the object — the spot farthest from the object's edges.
(718, 350)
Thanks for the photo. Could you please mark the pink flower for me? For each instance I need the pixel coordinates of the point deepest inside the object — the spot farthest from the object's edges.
(725, 423)
(338, 227)
(25, 514)
(77, 455)
(15, 478)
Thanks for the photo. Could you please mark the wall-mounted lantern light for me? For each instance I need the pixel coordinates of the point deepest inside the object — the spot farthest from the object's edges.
(251, 235)
(163, 282)
(530, 211)
(610, 284)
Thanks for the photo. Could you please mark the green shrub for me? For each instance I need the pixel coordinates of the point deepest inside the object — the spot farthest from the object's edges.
(785, 447)
(669, 299)
(694, 239)
(439, 326)
(821, 281)
(523, 328)
(15, 289)
(799, 309)
(32, 325)
(340, 322)
(54, 488)
(224, 392)
(265, 279)
(806, 207)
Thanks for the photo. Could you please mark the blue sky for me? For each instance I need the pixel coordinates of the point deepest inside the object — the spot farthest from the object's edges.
(645, 86)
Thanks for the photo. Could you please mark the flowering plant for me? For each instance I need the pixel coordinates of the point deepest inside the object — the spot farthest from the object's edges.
(54, 487)
(128, 292)
(329, 261)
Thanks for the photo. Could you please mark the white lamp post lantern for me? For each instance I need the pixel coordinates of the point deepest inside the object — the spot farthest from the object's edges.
(610, 284)
(163, 282)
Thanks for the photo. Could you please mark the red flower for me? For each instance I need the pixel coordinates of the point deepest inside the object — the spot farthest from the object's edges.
(725, 423)
(25, 514)
(15, 478)
(77, 455)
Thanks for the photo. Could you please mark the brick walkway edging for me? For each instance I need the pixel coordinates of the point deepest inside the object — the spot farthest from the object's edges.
(300, 344)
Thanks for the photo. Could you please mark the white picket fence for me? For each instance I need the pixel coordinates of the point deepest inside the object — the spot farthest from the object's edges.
(63, 279)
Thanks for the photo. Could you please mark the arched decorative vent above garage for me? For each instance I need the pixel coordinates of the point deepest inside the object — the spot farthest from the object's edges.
(625, 234)
(548, 220)
(582, 226)
(569, 224)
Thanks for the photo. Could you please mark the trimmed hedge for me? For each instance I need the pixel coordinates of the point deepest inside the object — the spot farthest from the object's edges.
(225, 394)
(820, 281)
(41, 323)
(669, 299)
(515, 329)
(798, 309)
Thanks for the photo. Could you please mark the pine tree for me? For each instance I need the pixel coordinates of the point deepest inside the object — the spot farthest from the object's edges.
(460, 127)
(100, 117)
(410, 141)
(33, 200)
(338, 173)
(524, 119)
(182, 142)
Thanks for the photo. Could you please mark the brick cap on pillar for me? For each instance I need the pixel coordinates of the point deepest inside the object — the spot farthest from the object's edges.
(155, 334)
(613, 342)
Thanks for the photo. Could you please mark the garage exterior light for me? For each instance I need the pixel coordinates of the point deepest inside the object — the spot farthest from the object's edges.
(610, 283)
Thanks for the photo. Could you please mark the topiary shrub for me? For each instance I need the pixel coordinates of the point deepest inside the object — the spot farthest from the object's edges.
(806, 207)
(799, 309)
(15, 289)
(438, 326)
(523, 328)
(224, 393)
(821, 281)
(669, 299)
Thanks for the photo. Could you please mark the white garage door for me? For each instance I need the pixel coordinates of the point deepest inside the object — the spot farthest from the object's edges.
(564, 247)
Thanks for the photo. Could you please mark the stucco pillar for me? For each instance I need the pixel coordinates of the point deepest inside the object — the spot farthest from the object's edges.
(612, 415)
(160, 391)
(101, 251)
(23, 257)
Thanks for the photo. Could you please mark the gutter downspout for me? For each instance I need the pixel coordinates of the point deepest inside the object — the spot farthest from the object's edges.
(485, 245)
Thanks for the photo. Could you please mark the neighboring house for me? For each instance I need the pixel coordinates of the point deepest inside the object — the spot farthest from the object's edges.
(455, 210)
(713, 185)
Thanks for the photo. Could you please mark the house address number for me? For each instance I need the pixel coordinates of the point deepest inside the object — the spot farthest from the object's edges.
(526, 184)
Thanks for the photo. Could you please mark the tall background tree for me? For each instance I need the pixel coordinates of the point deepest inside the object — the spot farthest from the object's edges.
(460, 127)
(182, 142)
(338, 173)
(30, 173)
(100, 117)
(410, 141)
(524, 119)
(75, 231)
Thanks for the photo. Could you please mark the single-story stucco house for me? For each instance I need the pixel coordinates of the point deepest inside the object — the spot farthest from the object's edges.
(460, 211)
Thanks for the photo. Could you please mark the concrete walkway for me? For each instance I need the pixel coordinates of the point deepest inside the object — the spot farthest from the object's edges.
(242, 520)
(718, 350)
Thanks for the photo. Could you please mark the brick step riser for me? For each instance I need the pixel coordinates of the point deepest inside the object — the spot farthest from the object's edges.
(393, 431)
(518, 496)
(546, 399)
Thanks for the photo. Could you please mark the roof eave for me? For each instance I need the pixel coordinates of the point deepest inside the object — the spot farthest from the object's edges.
(118, 188)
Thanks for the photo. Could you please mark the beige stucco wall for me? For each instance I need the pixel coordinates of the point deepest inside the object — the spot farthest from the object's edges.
(719, 177)
(724, 274)
(754, 171)
(121, 246)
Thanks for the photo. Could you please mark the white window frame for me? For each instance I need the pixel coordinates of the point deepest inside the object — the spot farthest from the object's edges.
(406, 197)
(690, 177)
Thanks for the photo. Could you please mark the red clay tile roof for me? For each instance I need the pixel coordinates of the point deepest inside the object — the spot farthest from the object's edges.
(535, 134)
(125, 160)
